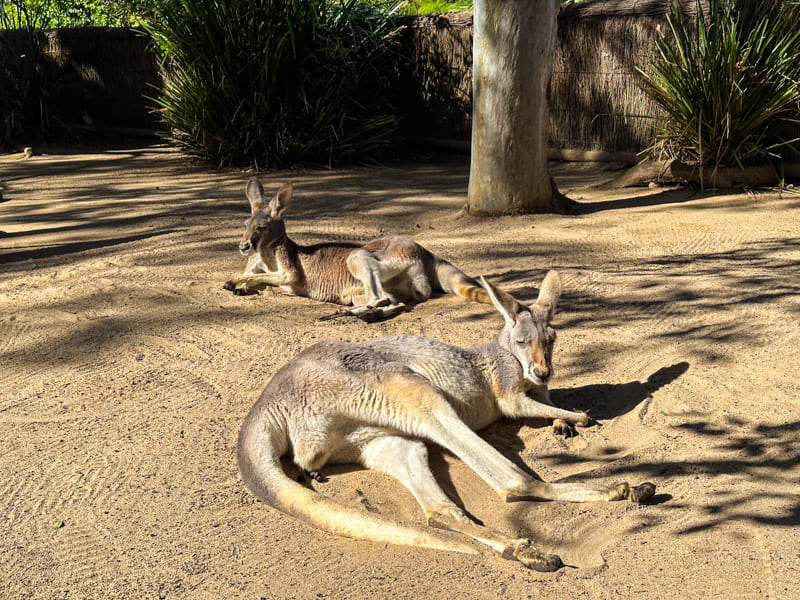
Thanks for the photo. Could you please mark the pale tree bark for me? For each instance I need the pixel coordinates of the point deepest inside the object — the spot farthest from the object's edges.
(513, 48)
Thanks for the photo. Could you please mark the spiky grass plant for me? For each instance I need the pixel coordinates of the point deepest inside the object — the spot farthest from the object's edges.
(727, 81)
(273, 82)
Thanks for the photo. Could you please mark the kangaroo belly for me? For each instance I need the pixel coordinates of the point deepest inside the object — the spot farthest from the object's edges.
(344, 292)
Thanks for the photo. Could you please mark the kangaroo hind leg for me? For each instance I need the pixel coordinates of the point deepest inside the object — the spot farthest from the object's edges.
(407, 461)
(371, 272)
(442, 425)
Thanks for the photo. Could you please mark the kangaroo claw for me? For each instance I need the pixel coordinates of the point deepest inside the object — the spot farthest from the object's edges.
(316, 476)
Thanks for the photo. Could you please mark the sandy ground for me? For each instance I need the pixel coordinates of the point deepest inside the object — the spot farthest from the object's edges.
(126, 370)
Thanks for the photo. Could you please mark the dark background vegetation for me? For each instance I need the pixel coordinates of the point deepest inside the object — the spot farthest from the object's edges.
(409, 82)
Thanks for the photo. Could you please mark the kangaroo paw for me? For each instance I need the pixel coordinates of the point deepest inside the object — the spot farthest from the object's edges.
(562, 428)
(316, 476)
(534, 559)
(639, 494)
(229, 285)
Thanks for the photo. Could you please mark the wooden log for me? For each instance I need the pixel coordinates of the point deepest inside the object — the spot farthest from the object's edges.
(672, 172)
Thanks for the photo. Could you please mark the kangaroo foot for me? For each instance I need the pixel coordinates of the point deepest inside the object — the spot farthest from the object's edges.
(641, 493)
(370, 314)
(534, 559)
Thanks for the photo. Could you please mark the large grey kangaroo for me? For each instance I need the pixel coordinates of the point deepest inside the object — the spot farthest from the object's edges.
(373, 403)
(376, 277)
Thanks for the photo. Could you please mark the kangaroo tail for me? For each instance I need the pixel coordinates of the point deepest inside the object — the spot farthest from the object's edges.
(454, 281)
(258, 455)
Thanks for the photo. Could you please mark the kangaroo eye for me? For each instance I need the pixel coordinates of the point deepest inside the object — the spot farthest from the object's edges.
(521, 342)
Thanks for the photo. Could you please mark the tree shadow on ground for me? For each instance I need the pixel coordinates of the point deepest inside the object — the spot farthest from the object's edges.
(763, 454)
(63, 250)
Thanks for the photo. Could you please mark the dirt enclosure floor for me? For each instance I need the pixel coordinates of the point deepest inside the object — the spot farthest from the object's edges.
(126, 370)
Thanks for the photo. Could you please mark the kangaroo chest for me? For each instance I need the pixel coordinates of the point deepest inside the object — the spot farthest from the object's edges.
(280, 260)
(451, 370)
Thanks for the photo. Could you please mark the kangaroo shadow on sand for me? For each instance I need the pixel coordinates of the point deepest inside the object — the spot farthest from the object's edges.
(607, 401)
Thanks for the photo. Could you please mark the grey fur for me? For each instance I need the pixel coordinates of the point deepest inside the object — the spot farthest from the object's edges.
(373, 403)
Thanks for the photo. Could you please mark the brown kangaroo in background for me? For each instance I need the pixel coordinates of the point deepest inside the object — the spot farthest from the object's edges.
(373, 403)
(375, 277)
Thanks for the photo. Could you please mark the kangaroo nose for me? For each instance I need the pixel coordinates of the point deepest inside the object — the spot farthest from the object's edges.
(244, 247)
(541, 372)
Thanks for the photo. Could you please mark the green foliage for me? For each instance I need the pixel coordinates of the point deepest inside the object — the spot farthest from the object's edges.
(422, 7)
(429, 7)
(273, 82)
(48, 14)
(727, 81)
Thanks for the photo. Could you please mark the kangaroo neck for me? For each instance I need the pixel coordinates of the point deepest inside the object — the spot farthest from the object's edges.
(503, 368)
(278, 253)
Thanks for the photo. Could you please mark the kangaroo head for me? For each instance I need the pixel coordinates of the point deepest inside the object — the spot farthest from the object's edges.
(265, 226)
(527, 333)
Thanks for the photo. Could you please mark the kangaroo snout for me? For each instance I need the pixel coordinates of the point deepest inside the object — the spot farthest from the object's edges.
(245, 246)
(542, 372)
(538, 374)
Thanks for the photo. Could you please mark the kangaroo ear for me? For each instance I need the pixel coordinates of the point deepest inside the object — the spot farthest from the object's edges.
(281, 200)
(505, 303)
(549, 293)
(255, 194)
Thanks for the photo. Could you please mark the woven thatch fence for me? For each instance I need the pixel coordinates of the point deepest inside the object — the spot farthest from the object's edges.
(434, 89)
(101, 76)
(92, 78)
(595, 102)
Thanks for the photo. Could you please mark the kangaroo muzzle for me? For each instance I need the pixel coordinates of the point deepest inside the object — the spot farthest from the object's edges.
(245, 246)
(542, 372)
(537, 374)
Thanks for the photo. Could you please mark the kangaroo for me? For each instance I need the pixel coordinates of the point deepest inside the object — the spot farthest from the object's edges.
(376, 278)
(373, 403)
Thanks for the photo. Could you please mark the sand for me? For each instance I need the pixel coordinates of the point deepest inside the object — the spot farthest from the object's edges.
(125, 372)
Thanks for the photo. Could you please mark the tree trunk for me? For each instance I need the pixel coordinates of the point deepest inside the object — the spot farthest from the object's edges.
(513, 47)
